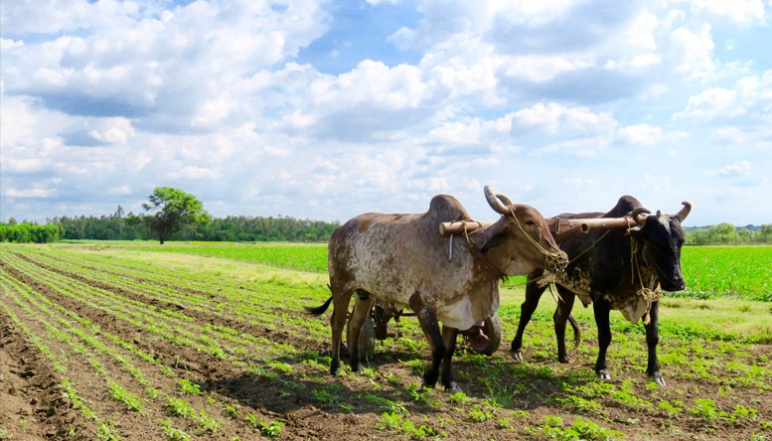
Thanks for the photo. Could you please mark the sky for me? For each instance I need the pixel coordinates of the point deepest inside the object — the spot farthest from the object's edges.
(324, 110)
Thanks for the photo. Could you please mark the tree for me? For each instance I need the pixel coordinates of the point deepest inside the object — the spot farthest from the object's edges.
(724, 230)
(766, 231)
(173, 210)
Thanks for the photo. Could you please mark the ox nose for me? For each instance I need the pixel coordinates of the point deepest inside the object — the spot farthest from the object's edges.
(556, 262)
(677, 284)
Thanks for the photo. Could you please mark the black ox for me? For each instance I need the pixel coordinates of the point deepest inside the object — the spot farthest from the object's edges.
(621, 269)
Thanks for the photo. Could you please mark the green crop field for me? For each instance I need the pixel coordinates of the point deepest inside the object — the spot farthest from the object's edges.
(301, 257)
(132, 340)
(742, 272)
(711, 272)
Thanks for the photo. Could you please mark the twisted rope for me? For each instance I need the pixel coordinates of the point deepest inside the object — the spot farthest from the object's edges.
(555, 262)
(488, 267)
(648, 294)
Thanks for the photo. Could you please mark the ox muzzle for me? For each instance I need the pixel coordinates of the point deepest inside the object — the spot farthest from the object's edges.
(556, 262)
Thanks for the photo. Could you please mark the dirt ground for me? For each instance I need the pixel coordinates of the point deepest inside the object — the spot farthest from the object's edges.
(33, 405)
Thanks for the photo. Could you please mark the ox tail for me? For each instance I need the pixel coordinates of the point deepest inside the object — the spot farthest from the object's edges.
(577, 331)
(319, 310)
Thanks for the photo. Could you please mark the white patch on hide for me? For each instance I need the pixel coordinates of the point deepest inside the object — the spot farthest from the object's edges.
(461, 315)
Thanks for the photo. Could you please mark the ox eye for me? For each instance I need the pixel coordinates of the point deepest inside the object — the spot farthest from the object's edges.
(530, 223)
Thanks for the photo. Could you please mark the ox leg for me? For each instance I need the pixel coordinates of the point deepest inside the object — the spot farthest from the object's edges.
(362, 305)
(427, 318)
(561, 316)
(652, 339)
(340, 304)
(602, 309)
(532, 295)
(449, 337)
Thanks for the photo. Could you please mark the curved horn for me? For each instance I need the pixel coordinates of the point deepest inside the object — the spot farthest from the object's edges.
(636, 214)
(504, 199)
(494, 202)
(684, 211)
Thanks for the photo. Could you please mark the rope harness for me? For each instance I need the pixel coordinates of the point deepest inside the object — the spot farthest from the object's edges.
(554, 262)
(557, 262)
(488, 266)
(569, 262)
(648, 294)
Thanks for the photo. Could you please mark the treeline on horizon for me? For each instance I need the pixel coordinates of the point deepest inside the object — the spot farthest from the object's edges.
(276, 229)
(132, 227)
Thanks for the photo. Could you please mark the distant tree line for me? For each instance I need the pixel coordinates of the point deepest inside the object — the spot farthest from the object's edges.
(120, 226)
(136, 227)
(27, 232)
(727, 234)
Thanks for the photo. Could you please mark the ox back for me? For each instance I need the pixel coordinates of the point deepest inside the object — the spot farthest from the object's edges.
(617, 269)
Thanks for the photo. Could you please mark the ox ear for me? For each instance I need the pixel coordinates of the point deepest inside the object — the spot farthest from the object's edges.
(493, 242)
(491, 237)
(641, 230)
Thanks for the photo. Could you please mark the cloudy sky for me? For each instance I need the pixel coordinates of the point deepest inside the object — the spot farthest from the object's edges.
(326, 109)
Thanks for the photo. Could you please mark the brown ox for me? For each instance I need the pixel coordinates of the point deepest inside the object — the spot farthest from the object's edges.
(403, 261)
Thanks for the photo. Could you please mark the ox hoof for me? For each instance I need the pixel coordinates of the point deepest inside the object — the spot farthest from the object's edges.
(564, 360)
(453, 388)
(426, 386)
(604, 375)
(658, 378)
(517, 356)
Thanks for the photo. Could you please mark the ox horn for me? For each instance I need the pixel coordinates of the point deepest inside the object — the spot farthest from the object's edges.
(684, 211)
(494, 201)
(504, 199)
(636, 214)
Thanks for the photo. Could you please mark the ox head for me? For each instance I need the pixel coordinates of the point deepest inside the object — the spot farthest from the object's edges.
(520, 242)
(662, 237)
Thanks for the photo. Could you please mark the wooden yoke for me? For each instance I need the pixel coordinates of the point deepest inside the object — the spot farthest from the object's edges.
(560, 228)
(450, 228)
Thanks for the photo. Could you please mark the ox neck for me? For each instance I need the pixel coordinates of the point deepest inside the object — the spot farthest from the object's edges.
(488, 267)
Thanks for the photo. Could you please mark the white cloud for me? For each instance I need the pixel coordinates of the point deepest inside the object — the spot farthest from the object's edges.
(739, 168)
(115, 131)
(122, 190)
(740, 12)
(540, 69)
(374, 84)
(693, 52)
(710, 104)
(641, 31)
(584, 147)
(640, 134)
(194, 172)
(749, 95)
(552, 118)
(25, 165)
(8, 44)
(34, 192)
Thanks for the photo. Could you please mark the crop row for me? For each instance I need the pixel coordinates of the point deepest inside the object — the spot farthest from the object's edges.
(38, 293)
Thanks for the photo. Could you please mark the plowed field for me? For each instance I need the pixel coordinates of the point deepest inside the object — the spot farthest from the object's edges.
(104, 343)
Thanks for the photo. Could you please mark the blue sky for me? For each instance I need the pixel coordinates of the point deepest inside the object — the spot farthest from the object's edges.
(324, 110)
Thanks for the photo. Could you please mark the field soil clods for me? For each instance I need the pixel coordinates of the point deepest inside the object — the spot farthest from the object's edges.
(109, 344)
